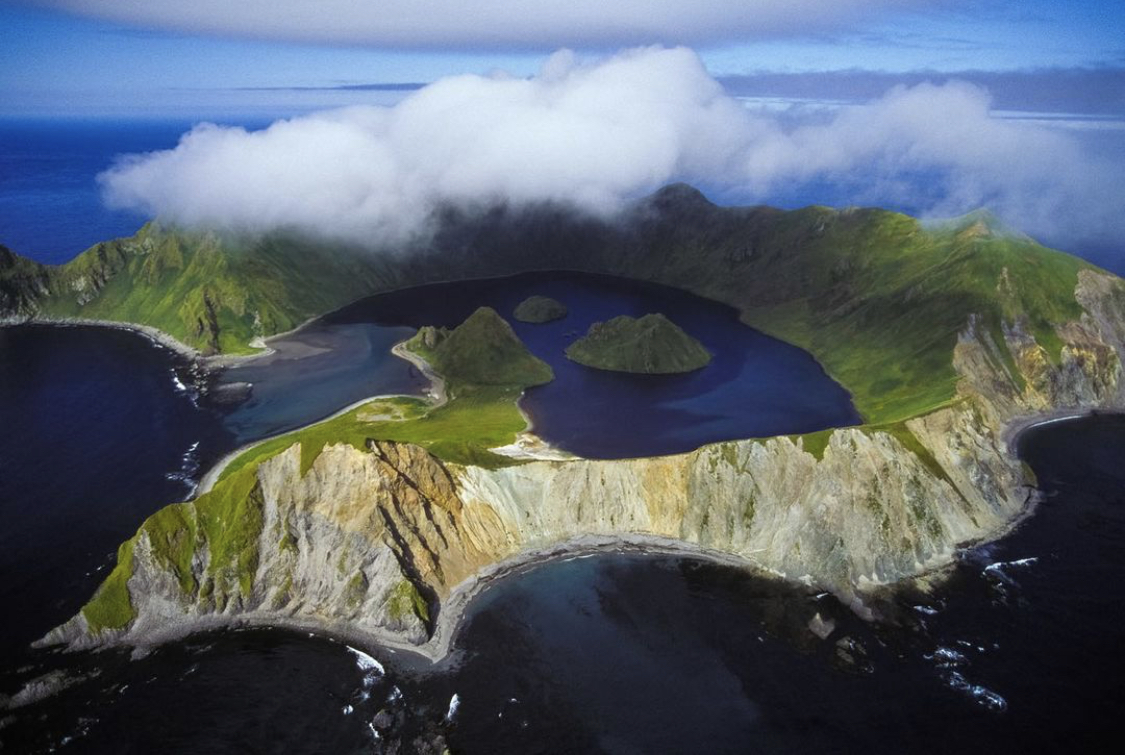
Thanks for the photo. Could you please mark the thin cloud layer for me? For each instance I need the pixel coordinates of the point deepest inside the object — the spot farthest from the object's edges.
(490, 24)
(596, 135)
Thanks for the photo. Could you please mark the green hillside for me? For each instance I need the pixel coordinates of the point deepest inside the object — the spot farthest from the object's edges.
(485, 368)
(875, 296)
(481, 351)
(210, 291)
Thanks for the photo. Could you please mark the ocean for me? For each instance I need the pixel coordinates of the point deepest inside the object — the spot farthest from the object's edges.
(1019, 651)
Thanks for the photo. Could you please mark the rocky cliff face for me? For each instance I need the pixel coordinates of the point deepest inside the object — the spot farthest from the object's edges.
(373, 543)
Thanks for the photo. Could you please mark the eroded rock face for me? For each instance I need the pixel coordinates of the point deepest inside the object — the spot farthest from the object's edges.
(372, 542)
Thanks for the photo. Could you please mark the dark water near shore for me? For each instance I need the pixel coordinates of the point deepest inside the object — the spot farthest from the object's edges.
(97, 427)
(1020, 651)
(755, 386)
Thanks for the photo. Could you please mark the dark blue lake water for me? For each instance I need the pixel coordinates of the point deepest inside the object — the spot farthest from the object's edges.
(1020, 651)
(755, 386)
(318, 371)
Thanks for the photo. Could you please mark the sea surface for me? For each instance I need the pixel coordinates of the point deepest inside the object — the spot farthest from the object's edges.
(1019, 651)
(620, 653)
(50, 202)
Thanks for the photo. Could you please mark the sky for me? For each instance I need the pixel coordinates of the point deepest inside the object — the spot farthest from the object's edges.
(386, 109)
(152, 57)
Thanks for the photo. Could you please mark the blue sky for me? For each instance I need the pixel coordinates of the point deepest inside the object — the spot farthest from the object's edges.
(934, 107)
(56, 61)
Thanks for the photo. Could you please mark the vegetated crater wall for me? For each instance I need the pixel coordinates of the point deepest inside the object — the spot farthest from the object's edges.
(374, 544)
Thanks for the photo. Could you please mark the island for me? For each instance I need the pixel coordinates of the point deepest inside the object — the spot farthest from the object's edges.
(539, 309)
(649, 345)
(483, 350)
(379, 524)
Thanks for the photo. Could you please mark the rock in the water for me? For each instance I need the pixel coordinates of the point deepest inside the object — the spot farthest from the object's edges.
(821, 627)
(540, 309)
(651, 345)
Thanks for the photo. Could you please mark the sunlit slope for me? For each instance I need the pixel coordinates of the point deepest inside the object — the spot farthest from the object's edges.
(213, 292)
(877, 297)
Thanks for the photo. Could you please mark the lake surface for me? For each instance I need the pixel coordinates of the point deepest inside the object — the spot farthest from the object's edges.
(755, 386)
(316, 372)
(1020, 651)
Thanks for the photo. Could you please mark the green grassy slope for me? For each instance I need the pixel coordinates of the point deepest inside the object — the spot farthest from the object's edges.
(874, 295)
(877, 298)
(652, 345)
(213, 292)
(228, 518)
(483, 350)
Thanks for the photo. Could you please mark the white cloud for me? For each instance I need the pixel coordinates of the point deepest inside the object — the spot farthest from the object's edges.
(598, 134)
(478, 24)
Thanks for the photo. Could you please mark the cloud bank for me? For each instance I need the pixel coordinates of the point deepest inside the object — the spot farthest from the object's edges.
(491, 24)
(598, 134)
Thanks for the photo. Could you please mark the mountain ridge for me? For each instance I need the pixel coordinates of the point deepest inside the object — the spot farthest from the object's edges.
(875, 296)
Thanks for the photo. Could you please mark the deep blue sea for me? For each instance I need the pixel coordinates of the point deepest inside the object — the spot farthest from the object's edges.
(1019, 652)
(50, 203)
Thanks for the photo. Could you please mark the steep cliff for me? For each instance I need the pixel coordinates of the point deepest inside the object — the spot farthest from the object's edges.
(372, 541)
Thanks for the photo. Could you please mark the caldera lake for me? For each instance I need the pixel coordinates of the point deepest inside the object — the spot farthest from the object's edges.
(755, 386)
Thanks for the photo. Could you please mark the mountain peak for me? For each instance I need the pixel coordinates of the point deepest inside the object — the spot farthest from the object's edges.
(678, 196)
(980, 223)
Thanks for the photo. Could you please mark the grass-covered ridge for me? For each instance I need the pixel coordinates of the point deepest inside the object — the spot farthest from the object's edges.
(875, 296)
(649, 345)
(214, 292)
(227, 521)
(482, 351)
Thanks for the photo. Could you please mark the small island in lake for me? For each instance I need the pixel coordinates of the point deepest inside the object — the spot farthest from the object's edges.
(651, 345)
(540, 309)
(483, 350)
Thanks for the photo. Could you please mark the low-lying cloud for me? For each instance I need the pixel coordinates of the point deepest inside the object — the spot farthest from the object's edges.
(498, 24)
(598, 134)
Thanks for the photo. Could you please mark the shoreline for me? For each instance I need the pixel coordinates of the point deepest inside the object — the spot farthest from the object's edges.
(155, 335)
(441, 645)
(437, 395)
(451, 611)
